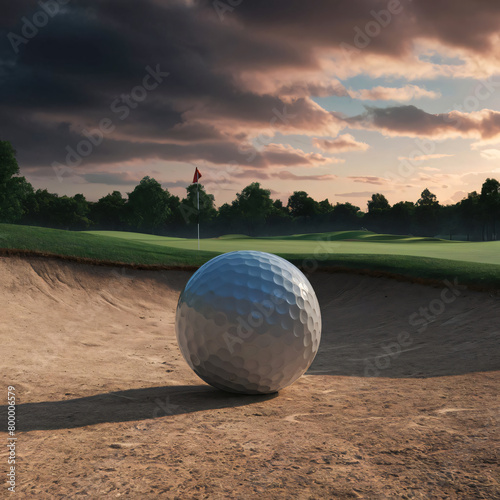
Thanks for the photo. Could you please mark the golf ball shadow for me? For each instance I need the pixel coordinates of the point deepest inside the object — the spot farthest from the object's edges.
(248, 322)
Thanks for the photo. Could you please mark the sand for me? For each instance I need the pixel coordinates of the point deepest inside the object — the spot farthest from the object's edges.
(401, 402)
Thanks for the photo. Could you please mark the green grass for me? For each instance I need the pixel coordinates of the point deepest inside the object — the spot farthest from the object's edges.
(471, 262)
(97, 247)
(331, 245)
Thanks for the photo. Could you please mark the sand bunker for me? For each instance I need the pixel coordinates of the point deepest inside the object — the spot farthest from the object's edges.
(401, 401)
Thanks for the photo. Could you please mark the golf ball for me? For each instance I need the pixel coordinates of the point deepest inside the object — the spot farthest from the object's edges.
(248, 322)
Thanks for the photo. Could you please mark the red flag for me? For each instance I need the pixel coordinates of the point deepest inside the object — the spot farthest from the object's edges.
(197, 176)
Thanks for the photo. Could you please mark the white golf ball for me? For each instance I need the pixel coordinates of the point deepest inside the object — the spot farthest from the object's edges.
(248, 322)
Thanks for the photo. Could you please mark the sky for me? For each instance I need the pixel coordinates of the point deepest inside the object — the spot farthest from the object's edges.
(341, 99)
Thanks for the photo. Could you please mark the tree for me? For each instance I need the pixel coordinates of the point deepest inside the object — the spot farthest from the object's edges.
(15, 198)
(278, 218)
(325, 207)
(402, 215)
(109, 211)
(300, 204)
(427, 213)
(226, 217)
(490, 205)
(345, 216)
(147, 205)
(8, 162)
(14, 191)
(378, 202)
(470, 213)
(378, 210)
(253, 206)
(189, 205)
(427, 199)
(70, 212)
(279, 211)
(174, 204)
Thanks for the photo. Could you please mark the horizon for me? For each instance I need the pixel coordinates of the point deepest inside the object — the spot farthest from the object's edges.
(341, 101)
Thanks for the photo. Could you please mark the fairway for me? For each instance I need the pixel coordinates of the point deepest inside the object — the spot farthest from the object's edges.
(472, 263)
(327, 245)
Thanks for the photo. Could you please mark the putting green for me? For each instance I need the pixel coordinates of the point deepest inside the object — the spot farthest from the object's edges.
(328, 245)
(473, 263)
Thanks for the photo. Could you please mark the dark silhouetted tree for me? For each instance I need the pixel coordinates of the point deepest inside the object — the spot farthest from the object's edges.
(402, 216)
(378, 202)
(148, 205)
(253, 206)
(109, 211)
(378, 210)
(490, 204)
(300, 204)
(325, 207)
(279, 217)
(189, 208)
(471, 215)
(345, 216)
(427, 213)
(15, 192)
(8, 162)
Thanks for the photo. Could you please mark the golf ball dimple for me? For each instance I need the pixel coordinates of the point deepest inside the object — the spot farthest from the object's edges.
(248, 322)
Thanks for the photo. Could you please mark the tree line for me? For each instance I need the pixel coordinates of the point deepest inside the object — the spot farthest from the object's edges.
(149, 208)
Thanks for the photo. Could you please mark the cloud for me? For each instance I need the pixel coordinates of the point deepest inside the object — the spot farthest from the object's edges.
(230, 82)
(456, 197)
(342, 143)
(286, 176)
(406, 93)
(355, 194)
(111, 178)
(312, 89)
(490, 154)
(368, 179)
(283, 155)
(283, 175)
(424, 157)
(410, 121)
(339, 34)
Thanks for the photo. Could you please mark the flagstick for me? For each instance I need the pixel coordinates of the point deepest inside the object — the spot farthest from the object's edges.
(198, 197)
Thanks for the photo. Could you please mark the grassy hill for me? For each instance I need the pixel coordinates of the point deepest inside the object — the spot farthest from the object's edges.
(475, 263)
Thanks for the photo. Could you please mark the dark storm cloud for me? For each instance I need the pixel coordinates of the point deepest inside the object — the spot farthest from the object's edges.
(468, 24)
(217, 95)
(88, 59)
(412, 121)
(324, 22)
(465, 23)
(112, 179)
